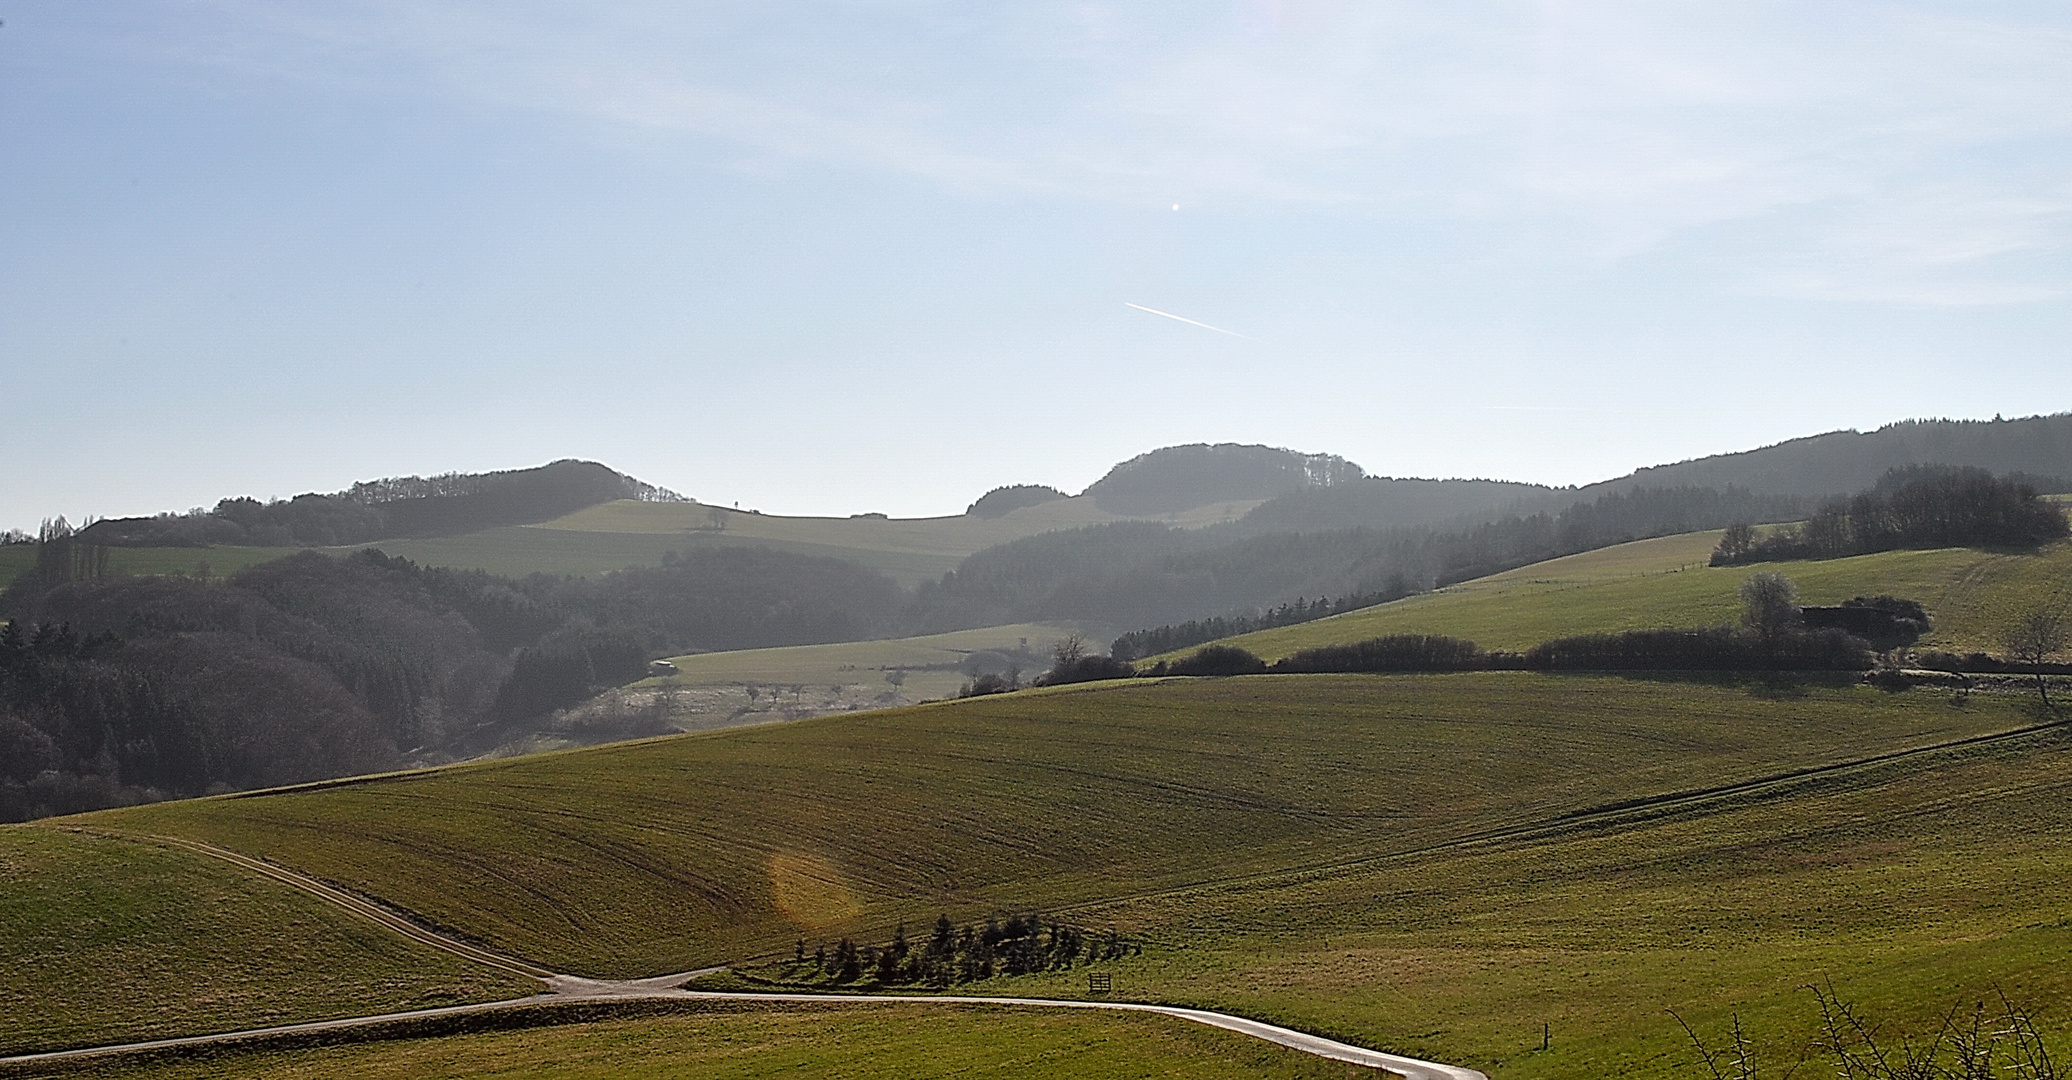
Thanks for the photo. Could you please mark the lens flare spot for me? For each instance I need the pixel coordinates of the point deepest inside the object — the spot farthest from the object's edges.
(809, 891)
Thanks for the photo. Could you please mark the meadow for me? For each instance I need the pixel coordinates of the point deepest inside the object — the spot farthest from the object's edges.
(1970, 594)
(1909, 888)
(111, 940)
(1434, 865)
(927, 667)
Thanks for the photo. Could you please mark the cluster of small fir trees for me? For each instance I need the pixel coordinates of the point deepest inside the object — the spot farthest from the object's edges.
(952, 954)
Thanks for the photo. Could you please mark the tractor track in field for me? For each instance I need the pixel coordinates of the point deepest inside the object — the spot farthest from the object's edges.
(1603, 816)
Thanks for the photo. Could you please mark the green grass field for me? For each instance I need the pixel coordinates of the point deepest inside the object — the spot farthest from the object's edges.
(650, 857)
(1969, 594)
(718, 690)
(846, 675)
(15, 559)
(889, 1041)
(1310, 850)
(1912, 889)
(110, 940)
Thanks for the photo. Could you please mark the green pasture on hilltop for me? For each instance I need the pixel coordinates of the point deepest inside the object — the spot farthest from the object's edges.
(728, 1042)
(17, 559)
(1970, 594)
(112, 940)
(520, 550)
(642, 858)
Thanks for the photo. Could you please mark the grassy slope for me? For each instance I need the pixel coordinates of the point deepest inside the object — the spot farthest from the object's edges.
(521, 550)
(1970, 594)
(658, 856)
(108, 940)
(626, 533)
(893, 1042)
(16, 559)
(1912, 889)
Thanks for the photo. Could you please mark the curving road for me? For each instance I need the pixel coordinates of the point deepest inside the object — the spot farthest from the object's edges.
(572, 988)
(662, 988)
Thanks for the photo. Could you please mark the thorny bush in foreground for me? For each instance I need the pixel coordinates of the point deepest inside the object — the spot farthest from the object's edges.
(1985, 1045)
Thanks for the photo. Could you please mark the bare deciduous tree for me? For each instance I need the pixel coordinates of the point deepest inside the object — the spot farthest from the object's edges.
(2034, 639)
(1769, 604)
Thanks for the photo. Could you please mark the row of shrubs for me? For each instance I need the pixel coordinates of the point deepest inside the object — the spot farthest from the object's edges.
(1717, 648)
(1979, 663)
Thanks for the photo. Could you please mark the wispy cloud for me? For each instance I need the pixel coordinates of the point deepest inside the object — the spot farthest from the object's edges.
(1853, 150)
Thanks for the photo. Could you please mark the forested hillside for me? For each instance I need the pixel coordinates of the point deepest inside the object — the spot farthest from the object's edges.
(1178, 478)
(1329, 530)
(2039, 448)
(1391, 502)
(119, 689)
(409, 506)
(125, 689)
(1142, 574)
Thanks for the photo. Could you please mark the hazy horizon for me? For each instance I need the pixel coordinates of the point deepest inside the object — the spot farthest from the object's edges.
(883, 257)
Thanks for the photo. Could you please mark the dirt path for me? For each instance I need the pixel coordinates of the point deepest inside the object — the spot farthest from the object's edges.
(374, 913)
(557, 988)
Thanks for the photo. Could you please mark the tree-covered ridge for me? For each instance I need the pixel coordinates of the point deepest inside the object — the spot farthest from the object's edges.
(1002, 501)
(407, 506)
(126, 689)
(1821, 465)
(1145, 574)
(1915, 507)
(1162, 639)
(1176, 478)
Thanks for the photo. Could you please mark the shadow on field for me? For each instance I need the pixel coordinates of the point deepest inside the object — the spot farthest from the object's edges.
(1768, 685)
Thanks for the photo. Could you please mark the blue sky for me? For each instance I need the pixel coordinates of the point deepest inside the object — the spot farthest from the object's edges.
(845, 257)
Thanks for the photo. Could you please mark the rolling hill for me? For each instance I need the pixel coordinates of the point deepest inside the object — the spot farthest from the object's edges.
(1970, 594)
(626, 533)
(680, 851)
(1430, 864)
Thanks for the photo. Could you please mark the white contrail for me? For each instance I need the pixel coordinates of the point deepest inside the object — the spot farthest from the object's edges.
(1184, 319)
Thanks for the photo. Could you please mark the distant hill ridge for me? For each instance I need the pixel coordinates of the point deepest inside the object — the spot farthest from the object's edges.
(1842, 461)
(397, 507)
(1176, 478)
